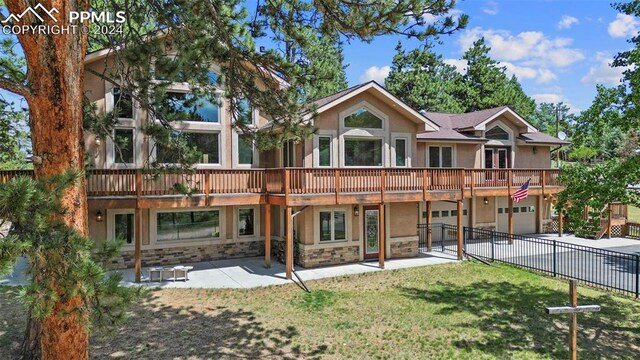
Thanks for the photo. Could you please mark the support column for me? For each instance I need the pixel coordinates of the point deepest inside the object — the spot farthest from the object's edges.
(609, 221)
(510, 220)
(267, 235)
(428, 229)
(381, 236)
(138, 243)
(289, 243)
(539, 213)
(460, 231)
(560, 221)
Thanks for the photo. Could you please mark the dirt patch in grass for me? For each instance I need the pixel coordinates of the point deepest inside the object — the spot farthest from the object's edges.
(453, 311)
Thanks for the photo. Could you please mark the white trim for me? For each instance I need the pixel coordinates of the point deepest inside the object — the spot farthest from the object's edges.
(429, 125)
(482, 125)
(355, 133)
(367, 106)
(384, 145)
(454, 151)
(111, 226)
(153, 228)
(333, 159)
(501, 143)
(316, 225)
(221, 145)
(408, 148)
(111, 148)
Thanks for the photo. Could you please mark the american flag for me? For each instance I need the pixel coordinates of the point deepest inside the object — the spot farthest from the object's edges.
(522, 193)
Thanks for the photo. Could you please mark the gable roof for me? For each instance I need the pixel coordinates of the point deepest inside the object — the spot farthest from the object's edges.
(535, 138)
(330, 101)
(476, 120)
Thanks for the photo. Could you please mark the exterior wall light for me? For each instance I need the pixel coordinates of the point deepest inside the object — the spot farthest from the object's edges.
(486, 201)
(356, 211)
(99, 217)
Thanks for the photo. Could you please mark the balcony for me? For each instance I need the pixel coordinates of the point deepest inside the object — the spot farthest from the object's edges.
(304, 186)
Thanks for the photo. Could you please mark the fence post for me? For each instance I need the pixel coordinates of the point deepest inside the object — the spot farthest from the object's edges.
(493, 248)
(555, 269)
(637, 276)
(442, 236)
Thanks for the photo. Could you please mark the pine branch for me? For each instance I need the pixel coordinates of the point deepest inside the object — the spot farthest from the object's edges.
(17, 89)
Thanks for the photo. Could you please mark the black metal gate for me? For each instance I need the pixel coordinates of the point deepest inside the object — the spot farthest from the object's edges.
(444, 238)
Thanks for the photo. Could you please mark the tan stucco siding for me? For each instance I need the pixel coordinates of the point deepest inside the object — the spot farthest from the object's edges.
(404, 219)
(525, 157)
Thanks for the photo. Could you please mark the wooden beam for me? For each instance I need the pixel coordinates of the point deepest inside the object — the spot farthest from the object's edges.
(381, 236)
(573, 326)
(267, 235)
(460, 231)
(289, 242)
(138, 243)
(429, 220)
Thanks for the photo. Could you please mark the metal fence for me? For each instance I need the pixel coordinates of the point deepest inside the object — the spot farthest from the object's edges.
(602, 268)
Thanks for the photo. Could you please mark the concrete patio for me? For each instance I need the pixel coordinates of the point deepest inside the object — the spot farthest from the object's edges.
(248, 273)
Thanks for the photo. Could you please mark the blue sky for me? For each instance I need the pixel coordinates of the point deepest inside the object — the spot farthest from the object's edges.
(558, 49)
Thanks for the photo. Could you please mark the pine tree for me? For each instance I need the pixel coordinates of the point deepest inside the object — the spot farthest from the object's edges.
(422, 80)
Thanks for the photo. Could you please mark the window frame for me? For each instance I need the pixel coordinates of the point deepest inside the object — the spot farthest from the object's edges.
(153, 216)
(112, 148)
(186, 91)
(440, 146)
(237, 135)
(220, 163)
(332, 212)
(364, 138)
(111, 225)
(256, 221)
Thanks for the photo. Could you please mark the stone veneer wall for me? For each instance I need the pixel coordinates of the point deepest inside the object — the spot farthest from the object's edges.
(190, 254)
(309, 258)
(277, 251)
(404, 248)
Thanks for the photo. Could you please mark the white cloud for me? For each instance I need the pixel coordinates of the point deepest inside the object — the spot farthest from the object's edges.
(567, 22)
(540, 75)
(554, 99)
(602, 72)
(459, 64)
(532, 48)
(491, 8)
(375, 73)
(431, 19)
(623, 26)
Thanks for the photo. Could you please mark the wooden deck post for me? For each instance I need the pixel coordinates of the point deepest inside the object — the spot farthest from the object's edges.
(138, 228)
(539, 213)
(267, 235)
(381, 236)
(429, 220)
(609, 221)
(560, 221)
(337, 183)
(460, 231)
(573, 325)
(207, 186)
(510, 218)
(289, 243)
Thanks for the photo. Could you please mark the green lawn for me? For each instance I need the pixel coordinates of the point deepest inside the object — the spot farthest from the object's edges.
(633, 214)
(454, 311)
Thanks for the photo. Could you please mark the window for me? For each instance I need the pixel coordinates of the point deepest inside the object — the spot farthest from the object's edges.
(206, 143)
(245, 150)
(440, 156)
(333, 226)
(401, 152)
(464, 212)
(122, 103)
(187, 225)
(516, 210)
(454, 212)
(363, 118)
(289, 154)
(445, 213)
(123, 146)
(246, 222)
(499, 210)
(523, 209)
(435, 214)
(532, 209)
(124, 227)
(179, 106)
(324, 151)
(363, 152)
(214, 77)
(245, 112)
(496, 133)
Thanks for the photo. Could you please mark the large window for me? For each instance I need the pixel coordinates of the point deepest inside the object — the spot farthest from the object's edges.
(245, 150)
(362, 152)
(123, 146)
(188, 225)
(333, 226)
(206, 143)
(289, 154)
(245, 112)
(440, 156)
(401, 152)
(124, 227)
(363, 118)
(497, 133)
(180, 106)
(324, 151)
(122, 103)
(246, 222)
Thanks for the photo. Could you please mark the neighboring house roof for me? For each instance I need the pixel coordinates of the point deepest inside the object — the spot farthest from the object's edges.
(541, 138)
(330, 101)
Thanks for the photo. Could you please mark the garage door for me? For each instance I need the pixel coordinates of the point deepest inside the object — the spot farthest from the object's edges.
(524, 215)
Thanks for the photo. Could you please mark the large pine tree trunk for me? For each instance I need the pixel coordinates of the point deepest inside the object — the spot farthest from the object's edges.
(55, 65)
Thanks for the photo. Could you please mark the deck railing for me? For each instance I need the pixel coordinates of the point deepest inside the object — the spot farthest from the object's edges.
(123, 182)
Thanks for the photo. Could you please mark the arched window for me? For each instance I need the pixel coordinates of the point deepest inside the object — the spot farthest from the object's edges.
(363, 118)
(496, 133)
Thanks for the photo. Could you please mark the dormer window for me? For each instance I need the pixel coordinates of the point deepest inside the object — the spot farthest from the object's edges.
(496, 133)
(363, 118)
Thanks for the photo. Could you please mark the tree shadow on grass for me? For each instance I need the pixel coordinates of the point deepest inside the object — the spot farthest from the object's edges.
(160, 331)
(511, 317)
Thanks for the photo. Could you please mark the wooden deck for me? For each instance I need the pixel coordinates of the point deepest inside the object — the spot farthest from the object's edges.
(126, 188)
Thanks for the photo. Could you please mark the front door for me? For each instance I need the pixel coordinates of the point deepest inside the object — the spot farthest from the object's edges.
(371, 232)
(496, 158)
